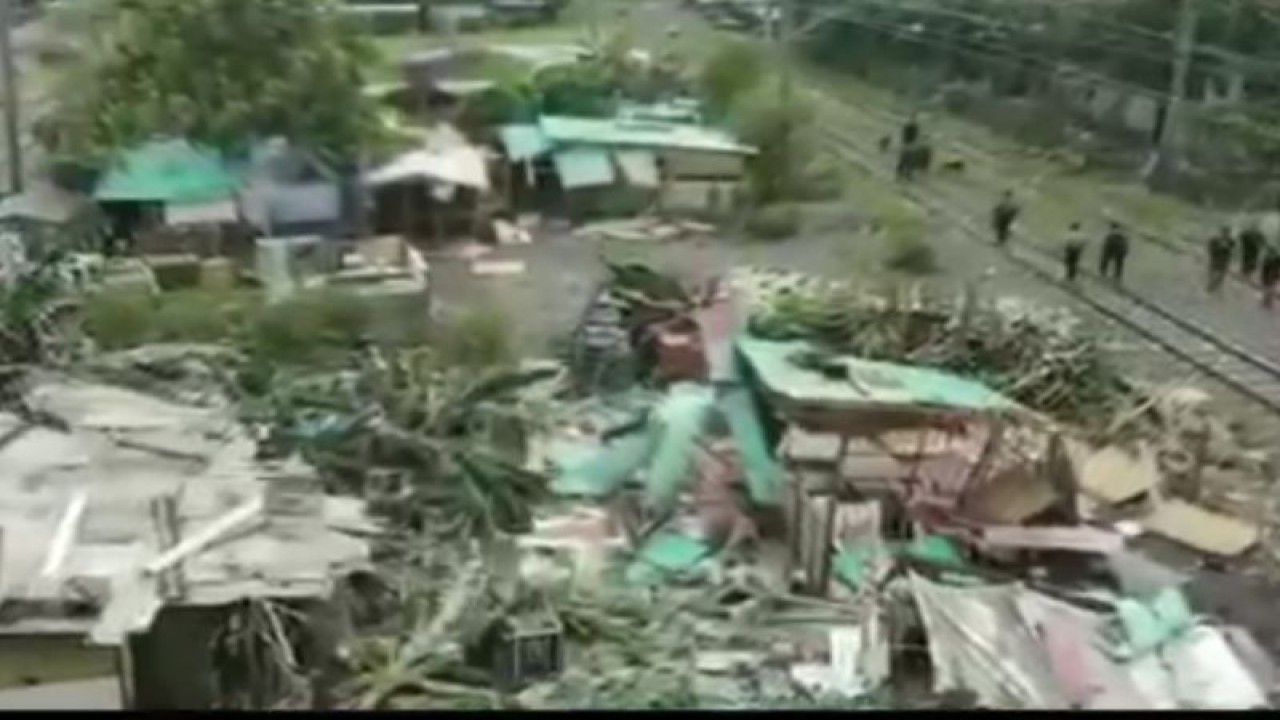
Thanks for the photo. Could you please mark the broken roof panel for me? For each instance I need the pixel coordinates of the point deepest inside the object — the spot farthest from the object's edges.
(679, 423)
(868, 384)
(978, 642)
(764, 476)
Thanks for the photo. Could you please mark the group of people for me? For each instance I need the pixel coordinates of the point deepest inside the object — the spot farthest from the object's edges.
(1259, 259)
(915, 154)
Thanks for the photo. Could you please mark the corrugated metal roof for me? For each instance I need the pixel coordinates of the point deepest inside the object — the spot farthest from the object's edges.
(584, 167)
(868, 383)
(171, 171)
(524, 142)
(585, 131)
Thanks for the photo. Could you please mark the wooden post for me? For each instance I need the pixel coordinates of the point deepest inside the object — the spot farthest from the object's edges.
(1199, 458)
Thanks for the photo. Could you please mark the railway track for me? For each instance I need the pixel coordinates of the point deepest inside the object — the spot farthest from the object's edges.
(1186, 244)
(1252, 376)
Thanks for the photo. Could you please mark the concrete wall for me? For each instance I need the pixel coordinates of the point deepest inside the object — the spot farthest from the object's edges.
(27, 660)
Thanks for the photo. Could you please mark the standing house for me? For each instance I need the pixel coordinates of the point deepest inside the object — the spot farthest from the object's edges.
(678, 165)
(434, 191)
(289, 191)
(169, 183)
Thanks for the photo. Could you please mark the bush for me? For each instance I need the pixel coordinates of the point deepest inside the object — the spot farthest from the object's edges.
(821, 181)
(478, 339)
(120, 319)
(308, 327)
(176, 273)
(774, 222)
(200, 316)
(729, 74)
(907, 249)
(780, 135)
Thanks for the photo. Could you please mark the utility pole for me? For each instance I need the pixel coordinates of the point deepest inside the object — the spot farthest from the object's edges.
(593, 25)
(13, 133)
(783, 15)
(1169, 151)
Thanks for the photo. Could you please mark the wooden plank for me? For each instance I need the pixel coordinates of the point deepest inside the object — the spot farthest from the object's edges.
(1200, 529)
(1114, 475)
(207, 535)
(65, 536)
(1079, 538)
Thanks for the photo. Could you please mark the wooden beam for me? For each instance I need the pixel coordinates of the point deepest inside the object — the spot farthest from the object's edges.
(65, 536)
(206, 536)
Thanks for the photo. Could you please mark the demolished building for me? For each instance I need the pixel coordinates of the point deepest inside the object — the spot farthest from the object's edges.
(143, 525)
(926, 511)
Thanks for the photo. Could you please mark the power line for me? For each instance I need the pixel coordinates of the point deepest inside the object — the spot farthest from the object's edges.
(936, 38)
(1114, 28)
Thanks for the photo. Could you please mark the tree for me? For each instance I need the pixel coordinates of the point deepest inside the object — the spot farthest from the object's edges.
(780, 134)
(730, 73)
(220, 72)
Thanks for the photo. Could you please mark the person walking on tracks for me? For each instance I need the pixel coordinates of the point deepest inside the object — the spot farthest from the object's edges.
(1270, 275)
(1003, 217)
(1252, 241)
(1115, 250)
(912, 150)
(911, 131)
(1220, 247)
(1073, 251)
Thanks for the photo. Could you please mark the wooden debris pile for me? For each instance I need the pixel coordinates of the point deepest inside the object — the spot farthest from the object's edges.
(423, 446)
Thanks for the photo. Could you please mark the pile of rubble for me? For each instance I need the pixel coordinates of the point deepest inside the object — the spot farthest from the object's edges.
(905, 507)
(645, 229)
(761, 512)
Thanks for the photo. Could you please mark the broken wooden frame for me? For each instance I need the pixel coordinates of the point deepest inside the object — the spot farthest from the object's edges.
(910, 436)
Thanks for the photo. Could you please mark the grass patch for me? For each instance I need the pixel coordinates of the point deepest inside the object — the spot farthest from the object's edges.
(480, 338)
(774, 222)
(305, 329)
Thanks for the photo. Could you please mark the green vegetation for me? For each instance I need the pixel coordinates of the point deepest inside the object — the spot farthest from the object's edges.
(480, 338)
(906, 246)
(774, 222)
(777, 128)
(219, 72)
(728, 75)
(307, 329)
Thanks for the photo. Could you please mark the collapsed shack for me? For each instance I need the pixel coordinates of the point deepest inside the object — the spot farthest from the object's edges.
(780, 525)
(156, 550)
(958, 520)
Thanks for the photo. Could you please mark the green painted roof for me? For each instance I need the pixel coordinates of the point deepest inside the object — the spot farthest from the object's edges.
(868, 384)
(646, 134)
(524, 142)
(170, 171)
(584, 167)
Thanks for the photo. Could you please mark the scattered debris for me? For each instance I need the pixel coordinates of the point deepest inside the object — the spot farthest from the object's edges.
(498, 268)
(650, 229)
